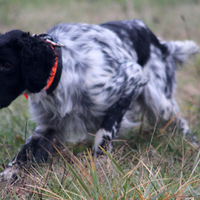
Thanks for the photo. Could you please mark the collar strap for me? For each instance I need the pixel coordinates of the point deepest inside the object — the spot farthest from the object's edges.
(56, 69)
(55, 72)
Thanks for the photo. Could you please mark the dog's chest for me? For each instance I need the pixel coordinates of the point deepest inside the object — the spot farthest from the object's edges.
(72, 114)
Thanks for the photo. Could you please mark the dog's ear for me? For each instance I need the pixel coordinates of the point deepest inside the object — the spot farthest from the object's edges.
(37, 59)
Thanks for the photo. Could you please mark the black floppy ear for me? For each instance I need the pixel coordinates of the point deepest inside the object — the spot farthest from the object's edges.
(37, 59)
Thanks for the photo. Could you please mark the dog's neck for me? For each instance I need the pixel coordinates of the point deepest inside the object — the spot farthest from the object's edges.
(56, 70)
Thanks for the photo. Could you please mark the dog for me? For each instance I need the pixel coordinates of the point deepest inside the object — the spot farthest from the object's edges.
(83, 78)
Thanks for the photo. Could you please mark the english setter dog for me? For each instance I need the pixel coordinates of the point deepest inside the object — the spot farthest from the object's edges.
(83, 78)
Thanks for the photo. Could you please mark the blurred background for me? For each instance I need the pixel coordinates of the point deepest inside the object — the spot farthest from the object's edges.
(168, 19)
(173, 19)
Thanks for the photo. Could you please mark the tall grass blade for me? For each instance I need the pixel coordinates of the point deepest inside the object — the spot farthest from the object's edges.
(74, 173)
(121, 171)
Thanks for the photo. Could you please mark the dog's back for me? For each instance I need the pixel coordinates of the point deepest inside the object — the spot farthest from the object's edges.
(137, 36)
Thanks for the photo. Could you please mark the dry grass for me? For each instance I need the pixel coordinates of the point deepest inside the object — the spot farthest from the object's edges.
(122, 175)
(147, 163)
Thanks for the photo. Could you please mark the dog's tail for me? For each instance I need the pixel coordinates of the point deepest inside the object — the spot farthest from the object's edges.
(182, 50)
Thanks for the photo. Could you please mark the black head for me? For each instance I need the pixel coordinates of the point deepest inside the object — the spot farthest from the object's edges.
(25, 64)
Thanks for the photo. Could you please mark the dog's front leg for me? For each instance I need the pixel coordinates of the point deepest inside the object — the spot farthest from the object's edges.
(112, 120)
(38, 148)
(110, 125)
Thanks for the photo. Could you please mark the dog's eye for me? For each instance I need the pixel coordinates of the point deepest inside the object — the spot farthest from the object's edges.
(5, 66)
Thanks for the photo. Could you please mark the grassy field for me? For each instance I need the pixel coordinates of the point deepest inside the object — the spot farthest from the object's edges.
(148, 162)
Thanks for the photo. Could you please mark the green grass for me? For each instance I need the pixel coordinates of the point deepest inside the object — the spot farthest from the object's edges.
(147, 162)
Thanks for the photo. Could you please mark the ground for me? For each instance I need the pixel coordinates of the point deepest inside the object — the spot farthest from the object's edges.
(149, 162)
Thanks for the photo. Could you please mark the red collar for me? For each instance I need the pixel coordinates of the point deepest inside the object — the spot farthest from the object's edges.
(53, 71)
(54, 68)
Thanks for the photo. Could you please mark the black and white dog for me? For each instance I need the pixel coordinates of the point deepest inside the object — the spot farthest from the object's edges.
(84, 78)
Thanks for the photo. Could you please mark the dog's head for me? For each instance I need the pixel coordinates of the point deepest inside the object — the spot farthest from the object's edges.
(25, 65)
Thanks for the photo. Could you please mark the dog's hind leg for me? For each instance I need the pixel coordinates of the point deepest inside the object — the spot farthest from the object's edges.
(183, 125)
(167, 109)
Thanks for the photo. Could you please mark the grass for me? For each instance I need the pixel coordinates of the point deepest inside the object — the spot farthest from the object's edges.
(147, 162)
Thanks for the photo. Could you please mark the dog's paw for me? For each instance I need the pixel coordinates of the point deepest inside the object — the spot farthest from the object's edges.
(191, 138)
(194, 141)
(10, 174)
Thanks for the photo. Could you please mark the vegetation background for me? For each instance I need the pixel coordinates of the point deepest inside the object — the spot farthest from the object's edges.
(149, 162)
